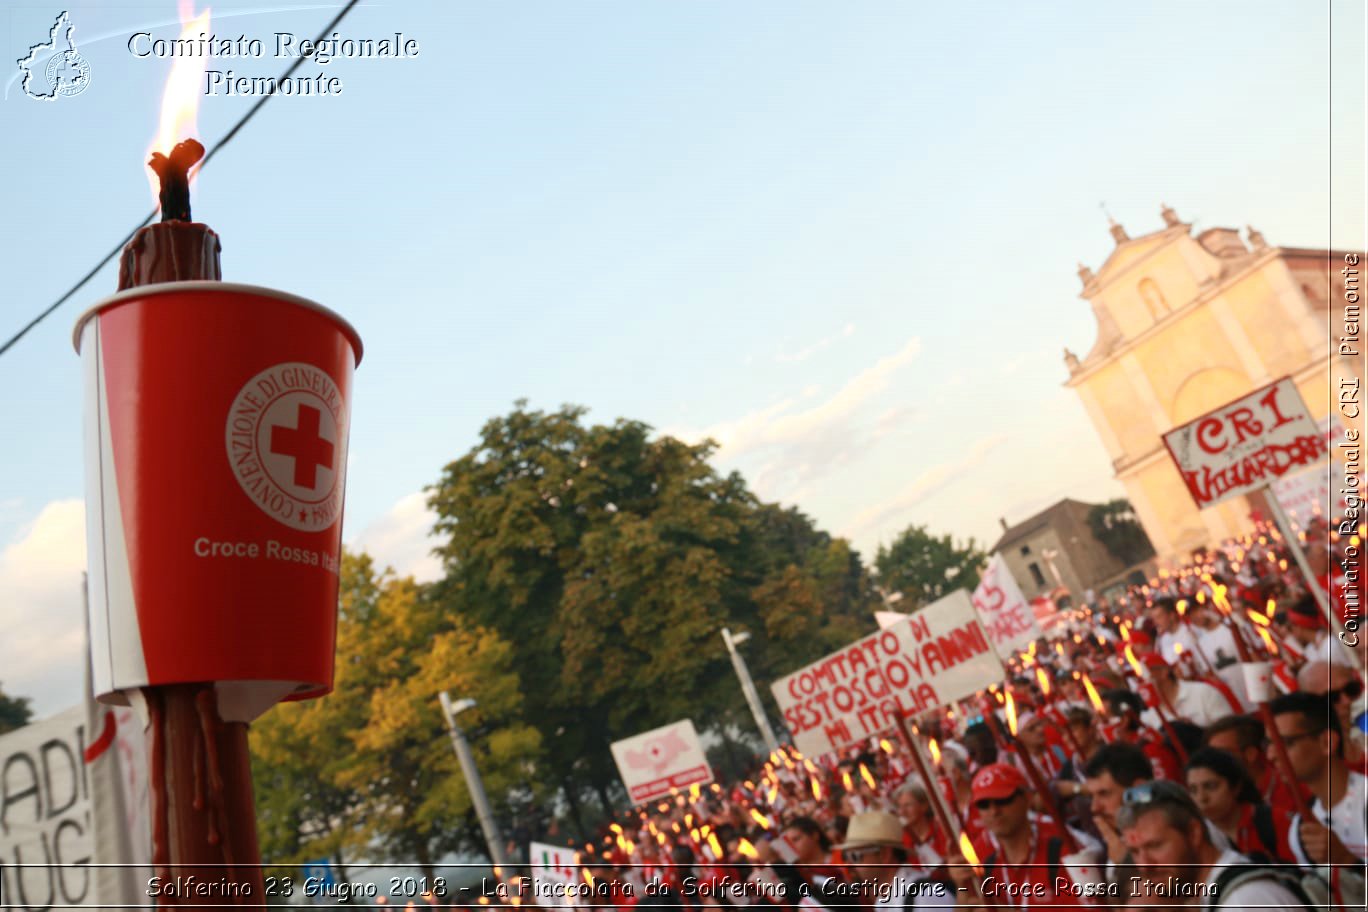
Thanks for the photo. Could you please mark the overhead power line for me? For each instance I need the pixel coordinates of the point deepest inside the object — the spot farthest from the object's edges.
(227, 138)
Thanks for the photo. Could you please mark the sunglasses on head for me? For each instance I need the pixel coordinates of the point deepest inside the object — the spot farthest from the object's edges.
(1157, 791)
(984, 804)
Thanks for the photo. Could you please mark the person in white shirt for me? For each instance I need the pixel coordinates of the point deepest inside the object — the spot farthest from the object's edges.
(1196, 701)
(1176, 861)
(1175, 638)
(1315, 750)
(1312, 634)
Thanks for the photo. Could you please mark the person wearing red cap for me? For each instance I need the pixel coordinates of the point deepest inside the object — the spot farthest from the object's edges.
(1022, 853)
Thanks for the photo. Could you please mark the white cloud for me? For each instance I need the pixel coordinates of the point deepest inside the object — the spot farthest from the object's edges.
(929, 482)
(820, 345)
(42, 651)
(399, 539)
(794, 442)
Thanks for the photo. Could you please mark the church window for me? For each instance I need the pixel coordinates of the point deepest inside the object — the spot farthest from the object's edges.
(1154, 298)
(1036, 575)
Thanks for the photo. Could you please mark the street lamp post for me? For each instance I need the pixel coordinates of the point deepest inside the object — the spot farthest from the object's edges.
(472, 777)
(748, 688)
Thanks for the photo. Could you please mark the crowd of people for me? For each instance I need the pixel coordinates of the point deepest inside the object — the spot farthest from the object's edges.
(1197, 742)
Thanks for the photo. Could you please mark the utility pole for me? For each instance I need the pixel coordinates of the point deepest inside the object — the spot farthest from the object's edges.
(472, 777)
(748, 688)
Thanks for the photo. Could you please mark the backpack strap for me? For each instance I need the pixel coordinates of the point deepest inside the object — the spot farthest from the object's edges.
(1264, 827)
(1054, 858)
(1236, 876)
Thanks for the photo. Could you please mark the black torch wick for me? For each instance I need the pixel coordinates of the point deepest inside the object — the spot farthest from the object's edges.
(174, 173)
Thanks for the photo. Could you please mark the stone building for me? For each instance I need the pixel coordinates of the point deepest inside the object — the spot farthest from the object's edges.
(1056, 549)
(1186, 323)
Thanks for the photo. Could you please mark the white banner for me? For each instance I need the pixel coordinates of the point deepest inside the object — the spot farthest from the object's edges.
(934, 657)
(554, 874)
(656, 762)
(45, 815)
(1007, 619)
(1246, 444)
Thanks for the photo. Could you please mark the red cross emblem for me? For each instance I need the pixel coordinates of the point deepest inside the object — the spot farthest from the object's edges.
(304, 445)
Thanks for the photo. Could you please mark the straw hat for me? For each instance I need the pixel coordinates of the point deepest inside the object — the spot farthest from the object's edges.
(873, 828)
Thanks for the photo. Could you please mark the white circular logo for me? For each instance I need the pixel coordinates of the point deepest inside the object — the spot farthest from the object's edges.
(287, 445)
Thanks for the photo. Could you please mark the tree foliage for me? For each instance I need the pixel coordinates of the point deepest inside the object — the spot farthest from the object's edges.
(14, 712)
(369, 769)
(610, 560)
(1116, 526)
(925, 567)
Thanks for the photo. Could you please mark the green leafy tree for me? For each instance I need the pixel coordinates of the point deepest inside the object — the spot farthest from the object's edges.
(924, 567)
(1116, 526)
(609, 561)
(385, 780)
(14, 712)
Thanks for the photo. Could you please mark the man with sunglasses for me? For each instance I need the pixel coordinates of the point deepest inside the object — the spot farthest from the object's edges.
(1022, 853)
(1315, 751)
(1177, 865)
(1342, 687)
(1245, 737)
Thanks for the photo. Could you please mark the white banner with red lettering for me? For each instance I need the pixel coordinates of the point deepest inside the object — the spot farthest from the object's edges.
(667, 758)
(1246, 444)
(1002, 609)
(936, 656)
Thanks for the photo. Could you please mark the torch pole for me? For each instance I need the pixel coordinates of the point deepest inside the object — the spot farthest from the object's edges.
(199, 770)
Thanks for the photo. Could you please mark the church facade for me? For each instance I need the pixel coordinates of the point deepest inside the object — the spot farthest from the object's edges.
(1187, 322)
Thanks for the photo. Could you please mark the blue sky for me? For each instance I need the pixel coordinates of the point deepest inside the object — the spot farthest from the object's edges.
(840, 237)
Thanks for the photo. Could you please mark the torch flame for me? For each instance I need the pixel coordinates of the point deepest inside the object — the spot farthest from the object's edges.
(935, 751)
(967, 848)
(180, 98)
(884, 746)
(816, 790)
(1044, 680)
(1182, 607)
(1125, 633)
(746, 849)
(846, 781)
(1272, 607)
(760, 819)
(1135, 663)
(1260, 619)
(868, 777)
(1268, 640)
(1093, 695)
(1011, 713)
(716, 845)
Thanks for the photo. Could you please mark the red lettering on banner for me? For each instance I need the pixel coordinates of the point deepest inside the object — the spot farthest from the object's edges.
(1211, 427)
(1271, 462)
(920, 629)
(1270, 402)
(837, 733)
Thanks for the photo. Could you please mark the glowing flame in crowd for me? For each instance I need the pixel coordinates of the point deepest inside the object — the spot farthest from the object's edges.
(1268, 640)
(816, 789)
(1093, 697)
(716, 845)
(967, 848)
(1011, 713)
(846, 781)
(935, 751)
(746, 849)
(1182, 607)
(1044, 681)
(885, 746)
(1135, 664)
(1272, 607)
(868, 777)
(1256, 617)
(760, 819)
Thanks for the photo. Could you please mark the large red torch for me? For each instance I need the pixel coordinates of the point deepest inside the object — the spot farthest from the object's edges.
(216, 442)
